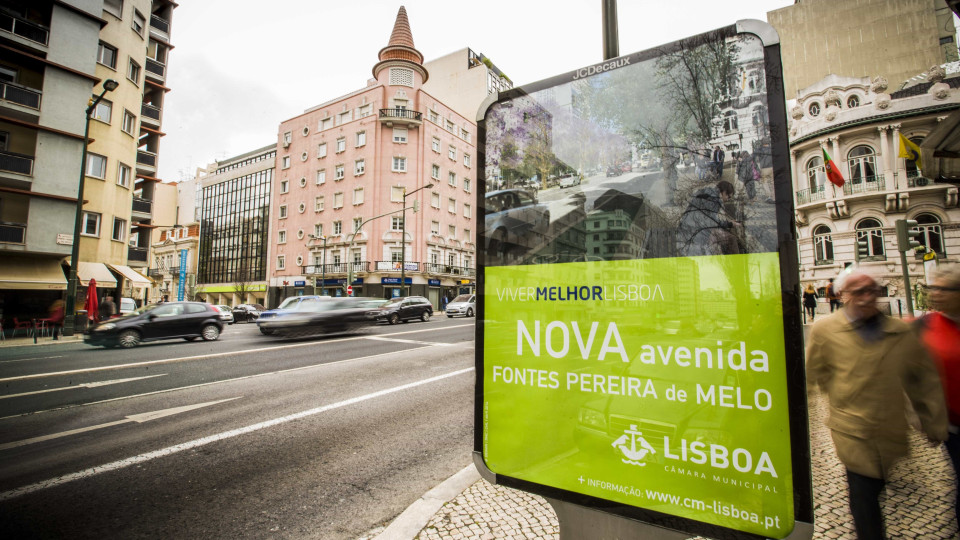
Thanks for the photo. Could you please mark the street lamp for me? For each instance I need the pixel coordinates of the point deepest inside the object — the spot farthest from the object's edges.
(69, 319)
(403, 237)
(323, 265)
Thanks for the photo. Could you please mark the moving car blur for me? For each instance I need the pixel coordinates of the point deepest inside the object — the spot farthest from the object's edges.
(322, 316)
(247, 312)
(289, 304)
(170, 320)
(226, 314)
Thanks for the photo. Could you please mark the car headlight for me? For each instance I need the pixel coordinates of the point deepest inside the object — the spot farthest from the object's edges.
(105, 326)
(593, 419)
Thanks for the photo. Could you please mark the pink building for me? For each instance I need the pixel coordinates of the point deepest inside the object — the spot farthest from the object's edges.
(352, 159)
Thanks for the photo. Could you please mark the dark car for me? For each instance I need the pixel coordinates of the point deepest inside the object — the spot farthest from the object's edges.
(291, 303)
(613, 171)
(247, 312)
(404, 309)
(170, 320)
(315, 316)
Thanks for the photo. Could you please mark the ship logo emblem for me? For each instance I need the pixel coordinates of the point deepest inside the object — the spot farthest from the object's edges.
(633, 446)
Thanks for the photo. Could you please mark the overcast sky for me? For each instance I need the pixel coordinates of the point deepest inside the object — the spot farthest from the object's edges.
(240, 67)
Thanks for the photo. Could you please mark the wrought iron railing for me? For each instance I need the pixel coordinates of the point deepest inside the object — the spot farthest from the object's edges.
(335, 268)
(12, 234)
(155, 272)
(805, 196)
(864, 185)
(21, 95)
(437, 268)
(16, 163)
(404, 114)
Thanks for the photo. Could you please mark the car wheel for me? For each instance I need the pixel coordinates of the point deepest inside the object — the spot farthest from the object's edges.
(265, 332)
(128, 339)
(425, 316)
(210, 332)
(394, 319)
(190, 338)
(469, 312)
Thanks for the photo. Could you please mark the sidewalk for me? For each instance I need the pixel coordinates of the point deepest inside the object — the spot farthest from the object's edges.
(26, 340)
(918, 503)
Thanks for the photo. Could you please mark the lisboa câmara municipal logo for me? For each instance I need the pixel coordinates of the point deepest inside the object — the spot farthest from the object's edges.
(633, 446)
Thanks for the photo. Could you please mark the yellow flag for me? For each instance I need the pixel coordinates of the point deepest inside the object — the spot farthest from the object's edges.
(910, 150)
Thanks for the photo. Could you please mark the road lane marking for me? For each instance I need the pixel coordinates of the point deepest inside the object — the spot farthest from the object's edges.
(138, 418)
(211, 383)
(204, 356)
(84, 385)
(196, 443)
(29, 359)
(411, 341)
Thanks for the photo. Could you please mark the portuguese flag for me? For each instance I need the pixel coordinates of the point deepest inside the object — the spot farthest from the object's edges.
(833, 173)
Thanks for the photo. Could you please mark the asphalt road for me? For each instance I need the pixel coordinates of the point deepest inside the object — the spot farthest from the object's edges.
(245, 437)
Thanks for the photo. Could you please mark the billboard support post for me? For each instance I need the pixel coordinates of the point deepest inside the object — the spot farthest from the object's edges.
(611, 39)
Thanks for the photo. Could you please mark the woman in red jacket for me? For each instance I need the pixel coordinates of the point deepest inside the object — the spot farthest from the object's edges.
(940, 332)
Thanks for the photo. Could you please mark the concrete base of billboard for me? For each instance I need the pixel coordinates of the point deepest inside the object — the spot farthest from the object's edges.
(579, 522)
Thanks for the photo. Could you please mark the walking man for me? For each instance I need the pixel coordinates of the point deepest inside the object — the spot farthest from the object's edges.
(717, 161)
(867, 364)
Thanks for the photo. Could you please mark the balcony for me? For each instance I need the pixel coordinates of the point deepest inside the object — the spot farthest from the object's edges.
(160, 24)
(24, 29)
(155, 273)
(143, 207)
(437, 268)
(146, 158)
(136, 254)
(915, 180)
(16, 163)
(12, 233)
(864, 185)
(149, 112)
(156, 68)
(400, 117)
(806, 196)
(21, 95)
(394, 266)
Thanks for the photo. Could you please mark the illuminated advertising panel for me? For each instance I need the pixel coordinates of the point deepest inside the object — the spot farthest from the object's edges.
(641, 350)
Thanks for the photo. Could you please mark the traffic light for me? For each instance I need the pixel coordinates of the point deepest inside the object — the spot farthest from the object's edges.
(416, 206)
(907, 235)
(861, 248)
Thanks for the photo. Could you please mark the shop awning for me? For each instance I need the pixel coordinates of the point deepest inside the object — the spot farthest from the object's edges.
(31, 273)
(136, 278)
(98, 271)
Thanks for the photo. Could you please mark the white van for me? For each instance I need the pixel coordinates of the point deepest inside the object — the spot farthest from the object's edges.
(127, 305)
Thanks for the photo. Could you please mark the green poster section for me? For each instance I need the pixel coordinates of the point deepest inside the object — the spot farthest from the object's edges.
(656, 383)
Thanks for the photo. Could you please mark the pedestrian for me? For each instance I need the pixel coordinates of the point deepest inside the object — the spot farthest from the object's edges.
(940, 333)
(832, 296)
(810, 301)
(867, 364)
(443, 303)
(107, 308)
(705, 227)
(748, 173)
(717, 162)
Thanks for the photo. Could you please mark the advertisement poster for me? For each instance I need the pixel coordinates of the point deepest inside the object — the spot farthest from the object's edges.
(632, 320)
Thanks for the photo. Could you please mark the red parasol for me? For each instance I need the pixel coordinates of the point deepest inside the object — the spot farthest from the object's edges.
(92, 306)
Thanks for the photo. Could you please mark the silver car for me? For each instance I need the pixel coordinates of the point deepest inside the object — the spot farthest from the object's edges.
(464, 305)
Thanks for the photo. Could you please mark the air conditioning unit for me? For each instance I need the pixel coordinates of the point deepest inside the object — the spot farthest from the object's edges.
(286, 144)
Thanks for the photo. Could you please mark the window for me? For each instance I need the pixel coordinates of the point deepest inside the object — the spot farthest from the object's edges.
(870, 231)
(814, 109)
(338, 227)
(103, 111)
(338, 200)
(91, 224)
(861, 162)
(358, 196)
(358, 167)
(318, 204)
(325, 123)
(338, 173)
(303, 181)
(853, 101)
(321, 177)
(318, 229)
(452, 231)
(452, 153)
(911, 164)
(816, 175)
(282, 237)
(302, 207)
(435, 227)
(119, 230)
(364, 111)
(452, 206)
(133, 72)
(129, 125)
(467, 238)
(729, 122)
(287, 139)
(396, 194)
(303, 156)
(341, 144)
(399, 164)
(357, 222)
(450, 126)
(435, 200)
(344, 117)
(284, 186)
(822, 245)
(396, 223)
(285, 162)
(139, 22)
(435, 172)
(283, 211)
(114, 7)
(466, 184)
(931, 233)
(321, 150)
(465, 135)
(107, 55)
(281, 262)
(299, 260)
(396, 255)
(466, 211)
(361, 138)
(452, 179)
(96, 165)
(436, 145)
(399, 135)
(435, 118)
(466, 160)
(124, 174)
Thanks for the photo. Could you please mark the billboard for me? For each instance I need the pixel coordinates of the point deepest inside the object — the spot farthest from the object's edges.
(641, 343)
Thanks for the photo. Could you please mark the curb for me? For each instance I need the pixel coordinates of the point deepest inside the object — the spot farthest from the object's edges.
(412, 520)
(12, 343)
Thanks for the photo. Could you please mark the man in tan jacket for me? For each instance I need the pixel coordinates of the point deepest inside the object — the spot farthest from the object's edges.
(865, 362)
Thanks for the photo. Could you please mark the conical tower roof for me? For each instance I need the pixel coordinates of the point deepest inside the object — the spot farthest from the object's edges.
(400, 46)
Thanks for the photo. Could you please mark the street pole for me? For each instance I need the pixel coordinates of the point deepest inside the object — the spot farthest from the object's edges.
(323, 267)
(70, 316)
(403, 238)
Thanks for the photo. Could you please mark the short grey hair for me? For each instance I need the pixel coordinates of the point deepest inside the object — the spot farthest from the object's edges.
(950, 274)
(846, 274)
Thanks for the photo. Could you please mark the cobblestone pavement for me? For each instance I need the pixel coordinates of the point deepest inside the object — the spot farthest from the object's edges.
(918, 502)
